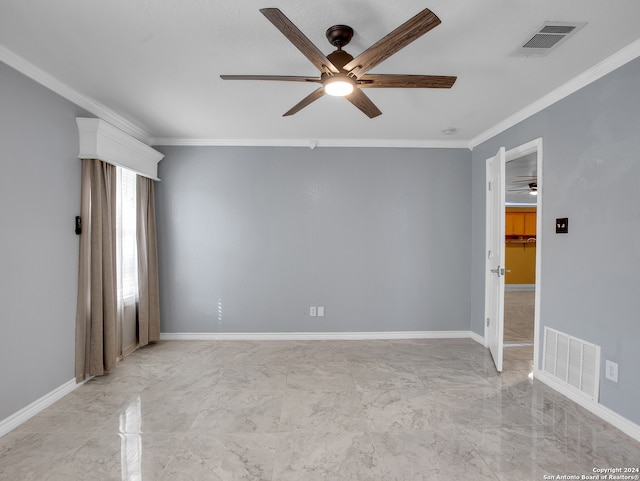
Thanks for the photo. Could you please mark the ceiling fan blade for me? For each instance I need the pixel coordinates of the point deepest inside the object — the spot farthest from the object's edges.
(296, 37)
(313, 96)
(406, 81)
(364, 103)
(285, 78)
(396, 40)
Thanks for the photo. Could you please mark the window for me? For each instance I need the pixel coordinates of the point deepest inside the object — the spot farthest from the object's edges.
(126, 247)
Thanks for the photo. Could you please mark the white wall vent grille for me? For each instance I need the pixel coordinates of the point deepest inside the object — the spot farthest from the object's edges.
(548, 37)
(572, 361)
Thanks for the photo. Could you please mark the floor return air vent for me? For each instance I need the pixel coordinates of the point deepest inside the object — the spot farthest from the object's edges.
(573, 362)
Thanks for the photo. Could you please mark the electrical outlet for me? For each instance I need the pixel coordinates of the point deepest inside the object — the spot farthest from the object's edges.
(320, 311)
(611, 370)
(313, 311)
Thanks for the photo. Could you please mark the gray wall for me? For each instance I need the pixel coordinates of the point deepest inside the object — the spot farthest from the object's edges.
(39, 198)
(590, 286)
(249, 238)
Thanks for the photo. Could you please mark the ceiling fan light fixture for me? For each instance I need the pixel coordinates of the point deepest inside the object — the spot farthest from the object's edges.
(339, 85)
(341, 74)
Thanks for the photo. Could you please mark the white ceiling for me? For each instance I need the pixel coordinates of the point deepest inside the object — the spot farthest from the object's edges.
(153, 66)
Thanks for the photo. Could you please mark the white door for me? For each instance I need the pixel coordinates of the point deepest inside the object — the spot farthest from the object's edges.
(494, 285)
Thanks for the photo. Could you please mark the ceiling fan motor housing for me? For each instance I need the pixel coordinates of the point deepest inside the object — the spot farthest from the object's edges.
(340, 58)
(339, 35)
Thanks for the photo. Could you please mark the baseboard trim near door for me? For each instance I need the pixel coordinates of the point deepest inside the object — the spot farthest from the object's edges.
(26, 413)
(623, 424)
(477, 337)
(303, 336)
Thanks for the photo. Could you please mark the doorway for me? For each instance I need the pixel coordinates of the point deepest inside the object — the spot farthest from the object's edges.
(520, 176)
(521, 212)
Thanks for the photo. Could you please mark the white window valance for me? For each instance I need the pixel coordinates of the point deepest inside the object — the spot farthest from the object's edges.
(102, 141)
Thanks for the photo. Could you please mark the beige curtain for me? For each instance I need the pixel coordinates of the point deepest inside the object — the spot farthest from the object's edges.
(96, 342)
(148, 289)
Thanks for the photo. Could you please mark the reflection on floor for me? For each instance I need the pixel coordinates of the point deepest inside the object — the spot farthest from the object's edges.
(518, 316)
(314, 410)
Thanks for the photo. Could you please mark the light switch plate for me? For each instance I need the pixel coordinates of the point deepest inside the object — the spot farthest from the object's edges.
(320, 311)
(562, 225)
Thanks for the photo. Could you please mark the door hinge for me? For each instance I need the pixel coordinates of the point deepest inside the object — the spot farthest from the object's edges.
(489, 186)
(489, 254)
(488, 322)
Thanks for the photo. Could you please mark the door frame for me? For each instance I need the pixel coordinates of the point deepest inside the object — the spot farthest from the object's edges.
(534, 146)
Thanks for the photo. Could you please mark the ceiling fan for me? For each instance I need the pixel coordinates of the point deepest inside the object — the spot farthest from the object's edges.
(345, 76)
(529, 185)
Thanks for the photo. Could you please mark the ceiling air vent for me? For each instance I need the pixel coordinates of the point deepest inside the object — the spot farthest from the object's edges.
(547, 38)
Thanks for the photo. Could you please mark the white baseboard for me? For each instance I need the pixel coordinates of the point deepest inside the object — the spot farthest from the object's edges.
(35, 407)
(623, 424)
(303, 336)
(477, 337)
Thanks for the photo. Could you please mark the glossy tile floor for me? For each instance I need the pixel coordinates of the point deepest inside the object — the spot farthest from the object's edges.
(519, 308)
(313, 410)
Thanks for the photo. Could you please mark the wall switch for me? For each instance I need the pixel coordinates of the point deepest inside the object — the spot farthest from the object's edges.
(562, 225)
(611, 370)
(320, 311)
(313, 311)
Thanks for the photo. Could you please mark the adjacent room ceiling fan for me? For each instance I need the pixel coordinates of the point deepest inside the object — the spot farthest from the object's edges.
(528, 184)
(343, 75)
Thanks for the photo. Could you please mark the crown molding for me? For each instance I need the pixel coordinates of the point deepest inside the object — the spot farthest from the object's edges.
(615, 61)
(313, 143)
(96, 108)
(618, 59)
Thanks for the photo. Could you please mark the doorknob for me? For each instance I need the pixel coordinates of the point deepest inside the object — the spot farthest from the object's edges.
(498, 270)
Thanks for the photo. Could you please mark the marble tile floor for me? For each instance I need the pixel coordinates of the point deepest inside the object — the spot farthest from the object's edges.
(519, 316)
(404, 410)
